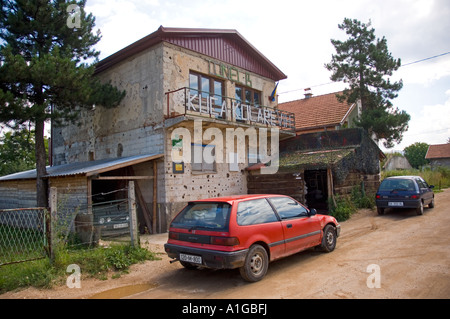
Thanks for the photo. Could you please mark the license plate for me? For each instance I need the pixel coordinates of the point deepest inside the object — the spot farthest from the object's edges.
(115, 226)
(395, 204)
(191, 258)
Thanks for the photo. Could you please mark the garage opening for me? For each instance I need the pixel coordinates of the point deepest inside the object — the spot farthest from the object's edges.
(317, 189)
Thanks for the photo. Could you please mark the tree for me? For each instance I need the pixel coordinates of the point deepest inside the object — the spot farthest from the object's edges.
(416, 153)
(17, 151)
(365, 64)
(47, 66)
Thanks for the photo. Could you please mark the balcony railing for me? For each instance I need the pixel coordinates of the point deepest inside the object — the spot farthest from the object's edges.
(186, 101)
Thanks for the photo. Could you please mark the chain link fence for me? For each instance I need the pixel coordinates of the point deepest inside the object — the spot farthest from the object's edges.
(23, 235)
(32, 233)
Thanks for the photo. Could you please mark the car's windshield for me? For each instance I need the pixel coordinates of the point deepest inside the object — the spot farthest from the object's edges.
(397, 185)
(206, 216)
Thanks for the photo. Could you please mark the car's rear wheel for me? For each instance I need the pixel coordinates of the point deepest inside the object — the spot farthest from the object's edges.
(256, 264)
(419, 210)
(380, 210)
(329, 239)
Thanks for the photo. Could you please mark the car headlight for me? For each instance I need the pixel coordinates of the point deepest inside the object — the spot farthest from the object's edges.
(108, 220)
(102, 221)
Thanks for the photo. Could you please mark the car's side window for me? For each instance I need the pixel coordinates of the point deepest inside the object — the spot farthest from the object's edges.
(256, 211)
(288, 208)
(421, 183)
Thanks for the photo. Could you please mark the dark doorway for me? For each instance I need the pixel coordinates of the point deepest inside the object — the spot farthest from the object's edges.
(317, 192)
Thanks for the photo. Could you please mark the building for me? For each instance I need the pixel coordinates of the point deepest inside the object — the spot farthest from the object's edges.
(439, 155)
(199, 107)
(326, 157)
(321, 113)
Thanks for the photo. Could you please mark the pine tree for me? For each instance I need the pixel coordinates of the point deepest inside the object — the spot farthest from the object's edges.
(47, 64)
(365, 64)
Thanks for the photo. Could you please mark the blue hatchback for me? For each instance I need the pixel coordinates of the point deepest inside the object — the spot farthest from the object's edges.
(404, 192)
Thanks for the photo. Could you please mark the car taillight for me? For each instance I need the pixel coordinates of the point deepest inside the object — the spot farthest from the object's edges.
(378, 196)
(414, 197)
(173, 235)
(224, 241)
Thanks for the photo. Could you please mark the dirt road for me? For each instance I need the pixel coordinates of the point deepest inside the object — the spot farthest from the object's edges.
(405, 255)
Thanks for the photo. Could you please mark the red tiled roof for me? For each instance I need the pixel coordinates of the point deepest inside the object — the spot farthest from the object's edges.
(317, 112)
(438, 151)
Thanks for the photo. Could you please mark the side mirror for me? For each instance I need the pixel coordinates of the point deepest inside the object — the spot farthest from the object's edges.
(431, 186)
(312, 212)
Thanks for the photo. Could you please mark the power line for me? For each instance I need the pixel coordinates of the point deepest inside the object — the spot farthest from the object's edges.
(409, 63)
(426, 59)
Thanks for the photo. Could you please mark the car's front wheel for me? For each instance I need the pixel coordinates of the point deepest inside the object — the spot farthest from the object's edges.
(329, 239)
(256, 264)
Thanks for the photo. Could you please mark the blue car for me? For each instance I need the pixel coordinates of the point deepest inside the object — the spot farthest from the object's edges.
(404, 192)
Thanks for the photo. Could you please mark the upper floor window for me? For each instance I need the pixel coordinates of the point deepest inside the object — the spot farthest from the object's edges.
(208, 88)
(248, 96)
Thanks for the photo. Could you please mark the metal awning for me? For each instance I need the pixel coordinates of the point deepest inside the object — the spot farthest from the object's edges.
(85, 168)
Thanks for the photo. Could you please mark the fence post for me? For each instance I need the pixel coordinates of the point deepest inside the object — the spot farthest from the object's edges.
(133, 214)
(53, 198)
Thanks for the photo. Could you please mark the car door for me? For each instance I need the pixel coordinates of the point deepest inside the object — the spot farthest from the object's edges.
(258, 222)
(300, 230)
(425, 191)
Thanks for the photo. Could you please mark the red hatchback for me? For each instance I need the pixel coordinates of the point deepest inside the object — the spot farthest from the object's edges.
(247, 232)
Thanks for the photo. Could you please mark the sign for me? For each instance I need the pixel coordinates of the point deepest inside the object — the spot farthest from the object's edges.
(238, 110)
(229, 72)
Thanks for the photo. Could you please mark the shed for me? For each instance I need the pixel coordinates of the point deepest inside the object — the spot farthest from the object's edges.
(314, 166)
(439, 155)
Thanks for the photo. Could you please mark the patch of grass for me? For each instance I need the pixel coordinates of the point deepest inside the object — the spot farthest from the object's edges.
(96, 263)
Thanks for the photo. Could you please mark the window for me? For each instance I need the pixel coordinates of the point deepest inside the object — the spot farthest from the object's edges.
(254, 212)
(207, 87)
(248, 96)
(288, 208)
(203, 158)
(210, 216)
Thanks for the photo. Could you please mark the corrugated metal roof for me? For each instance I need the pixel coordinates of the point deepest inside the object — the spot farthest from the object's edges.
(84, 168)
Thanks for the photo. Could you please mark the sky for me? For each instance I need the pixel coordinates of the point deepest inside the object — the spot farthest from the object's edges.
(295, 35)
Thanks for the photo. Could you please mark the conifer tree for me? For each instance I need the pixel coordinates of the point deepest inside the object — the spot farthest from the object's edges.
(47, 64)
(366, 65)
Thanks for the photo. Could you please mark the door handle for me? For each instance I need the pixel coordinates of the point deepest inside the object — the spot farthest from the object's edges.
(289, 225)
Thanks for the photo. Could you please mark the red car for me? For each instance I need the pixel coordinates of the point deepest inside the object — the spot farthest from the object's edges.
(247, 232)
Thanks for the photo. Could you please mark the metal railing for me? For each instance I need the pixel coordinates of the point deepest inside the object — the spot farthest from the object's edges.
(186, 101)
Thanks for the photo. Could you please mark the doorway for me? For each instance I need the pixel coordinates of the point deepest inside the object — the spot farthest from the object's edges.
(317, 195)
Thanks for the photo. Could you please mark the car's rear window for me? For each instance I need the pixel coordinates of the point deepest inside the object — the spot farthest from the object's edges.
(397, 185)
(206, 216)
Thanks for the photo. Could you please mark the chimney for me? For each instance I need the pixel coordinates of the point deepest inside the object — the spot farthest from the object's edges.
(308, 93)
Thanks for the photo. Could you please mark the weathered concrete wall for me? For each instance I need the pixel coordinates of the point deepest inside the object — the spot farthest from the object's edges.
(133, 128)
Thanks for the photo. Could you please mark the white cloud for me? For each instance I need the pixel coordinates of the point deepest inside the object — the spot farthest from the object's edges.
(430, 125)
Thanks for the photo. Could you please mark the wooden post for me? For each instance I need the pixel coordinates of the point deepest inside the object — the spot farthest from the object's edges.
(155, 183)
(53, 199)
(133, 214)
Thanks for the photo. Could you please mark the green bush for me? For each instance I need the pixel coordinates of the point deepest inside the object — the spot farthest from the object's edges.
(343, 209)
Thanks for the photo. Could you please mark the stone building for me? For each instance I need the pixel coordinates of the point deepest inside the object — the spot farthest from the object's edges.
(200, 107)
